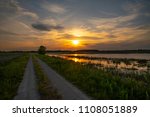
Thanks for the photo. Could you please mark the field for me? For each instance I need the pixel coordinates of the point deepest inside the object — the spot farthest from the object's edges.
(95, 80)
(4, 57)
(101, 84)
(11, 73)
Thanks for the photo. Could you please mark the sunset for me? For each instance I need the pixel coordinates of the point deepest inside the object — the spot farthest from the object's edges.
(75, 42)
(75, 50)
(101, 25)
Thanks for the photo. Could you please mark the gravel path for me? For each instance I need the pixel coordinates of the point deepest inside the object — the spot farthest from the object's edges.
(66, 89)
(27, 89)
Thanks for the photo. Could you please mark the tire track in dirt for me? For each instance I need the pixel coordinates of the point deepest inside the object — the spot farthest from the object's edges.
(28, 89)
(65, 88)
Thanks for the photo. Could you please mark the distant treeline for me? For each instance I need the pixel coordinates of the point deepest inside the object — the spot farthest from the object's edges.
(100, 51)
(87, 51)
(18, 51)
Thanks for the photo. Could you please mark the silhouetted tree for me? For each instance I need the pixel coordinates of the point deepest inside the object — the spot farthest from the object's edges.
(42, 50)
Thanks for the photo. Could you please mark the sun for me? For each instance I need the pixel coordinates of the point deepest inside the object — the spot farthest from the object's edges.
(75, 42)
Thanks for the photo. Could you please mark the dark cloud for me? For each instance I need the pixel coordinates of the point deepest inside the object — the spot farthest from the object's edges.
(41, 27)
(46, 27)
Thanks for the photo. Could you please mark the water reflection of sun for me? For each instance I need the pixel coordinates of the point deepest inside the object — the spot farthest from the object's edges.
(76, 60)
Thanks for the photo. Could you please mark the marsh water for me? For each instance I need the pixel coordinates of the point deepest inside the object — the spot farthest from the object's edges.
(127, 56)
(128, 63)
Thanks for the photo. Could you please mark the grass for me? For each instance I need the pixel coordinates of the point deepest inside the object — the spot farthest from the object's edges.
(11, 74)
(6, 57)
(100, 84)
(45, 89)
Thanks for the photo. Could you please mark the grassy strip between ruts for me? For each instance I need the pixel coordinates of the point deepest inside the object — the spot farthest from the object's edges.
(45, 89)
(11, 74)
(97, 83)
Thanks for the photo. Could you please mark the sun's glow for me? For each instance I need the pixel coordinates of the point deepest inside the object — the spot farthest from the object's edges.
(78, 32)
(75, 42)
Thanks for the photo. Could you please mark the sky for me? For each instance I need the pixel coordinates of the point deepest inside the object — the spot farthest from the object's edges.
(56, 24)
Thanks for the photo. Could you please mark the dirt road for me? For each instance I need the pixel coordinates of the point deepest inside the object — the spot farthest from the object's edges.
(27, 89)
(66, 89)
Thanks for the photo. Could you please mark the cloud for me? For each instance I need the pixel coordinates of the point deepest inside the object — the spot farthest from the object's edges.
(49, 21)
(112, 22)
(4, 32)
(30, 14)
(116, 28)
(54, 8)
(14, 30)
(13, 24)
(11, 9)
(98, 27)
(114, 45)
(133, 7)
(143, 27)
(147, 14)
(46, 27)
(10, 4)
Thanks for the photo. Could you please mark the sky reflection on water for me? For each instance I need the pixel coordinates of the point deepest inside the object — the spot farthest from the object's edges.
(103, 61)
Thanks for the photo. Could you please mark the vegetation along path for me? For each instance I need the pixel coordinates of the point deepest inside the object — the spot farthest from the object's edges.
(27, 89)
(66, 89)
